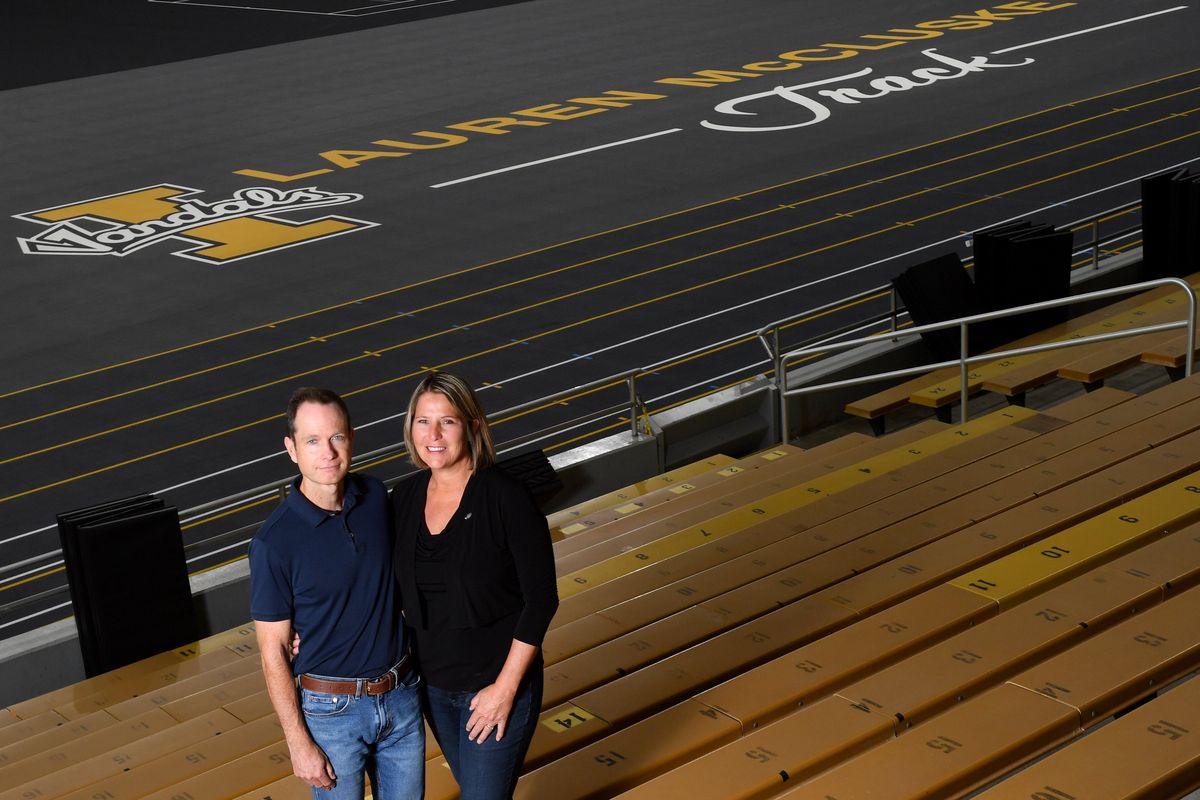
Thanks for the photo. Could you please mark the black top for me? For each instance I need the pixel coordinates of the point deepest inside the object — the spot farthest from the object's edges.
(486, 579)
(456, 659)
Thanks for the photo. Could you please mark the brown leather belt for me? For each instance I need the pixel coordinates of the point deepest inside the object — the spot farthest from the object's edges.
(369, 686)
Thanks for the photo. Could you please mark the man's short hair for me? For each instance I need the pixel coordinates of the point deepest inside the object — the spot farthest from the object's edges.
(314, 394)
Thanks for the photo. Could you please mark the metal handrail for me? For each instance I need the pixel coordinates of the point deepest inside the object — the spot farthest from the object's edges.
(774, 328)
(964, 360)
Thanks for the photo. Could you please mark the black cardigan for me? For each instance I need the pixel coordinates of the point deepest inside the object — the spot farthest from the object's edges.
(499, 562)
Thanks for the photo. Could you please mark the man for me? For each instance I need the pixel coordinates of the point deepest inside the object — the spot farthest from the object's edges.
(321, 567)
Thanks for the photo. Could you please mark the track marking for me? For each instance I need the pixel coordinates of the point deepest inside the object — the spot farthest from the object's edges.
(604, 315)
(1088, 30)
(598, 234)
(554, 158)
(595, 260)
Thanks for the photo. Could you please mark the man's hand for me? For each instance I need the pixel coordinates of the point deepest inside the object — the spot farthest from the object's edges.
(311, 766)
(308, 760)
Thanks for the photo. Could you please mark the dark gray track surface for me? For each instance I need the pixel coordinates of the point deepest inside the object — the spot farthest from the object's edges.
(503, 275)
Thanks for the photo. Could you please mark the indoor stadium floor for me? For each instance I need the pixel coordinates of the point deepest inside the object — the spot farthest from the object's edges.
(535, 195)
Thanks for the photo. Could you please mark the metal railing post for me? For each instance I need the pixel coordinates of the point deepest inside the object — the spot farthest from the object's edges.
(633, 405)
(777, 362)
(962, 369)
(1096, 243)
(1189, 350)
(784, 422)
(894, 316)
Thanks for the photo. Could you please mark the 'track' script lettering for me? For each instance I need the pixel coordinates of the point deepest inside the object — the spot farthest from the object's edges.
(818, 110)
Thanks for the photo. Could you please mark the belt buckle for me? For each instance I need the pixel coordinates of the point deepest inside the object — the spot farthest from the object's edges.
(380, 683)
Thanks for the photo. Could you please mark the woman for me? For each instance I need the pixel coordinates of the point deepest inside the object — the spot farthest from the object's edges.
(476, 573)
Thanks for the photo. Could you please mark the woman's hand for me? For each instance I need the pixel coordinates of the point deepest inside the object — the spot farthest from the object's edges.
(490, 708)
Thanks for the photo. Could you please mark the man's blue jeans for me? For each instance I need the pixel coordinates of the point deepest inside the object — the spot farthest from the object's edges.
(487, 770)
(382, 735)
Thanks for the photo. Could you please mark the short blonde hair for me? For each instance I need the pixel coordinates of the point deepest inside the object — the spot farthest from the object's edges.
(464, 400)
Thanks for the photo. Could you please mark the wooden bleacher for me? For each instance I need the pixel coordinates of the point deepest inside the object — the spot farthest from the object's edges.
(916, 615)
(1088, 364)
(1150, 752)
(684, 723)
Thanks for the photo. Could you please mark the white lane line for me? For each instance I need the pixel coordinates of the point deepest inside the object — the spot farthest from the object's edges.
(35, 570)
(361, 11)
(765, 361)
(36, 614)
(251, 462)
(390, 10)
(248, 8)
(28, 533)
(1089, 30)
(211, 553)
(554, 158)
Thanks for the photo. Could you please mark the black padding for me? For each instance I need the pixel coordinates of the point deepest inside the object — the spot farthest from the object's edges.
(934, 291)
(1170, 225)
(1018, 265)
(535, 471)
(128, 579)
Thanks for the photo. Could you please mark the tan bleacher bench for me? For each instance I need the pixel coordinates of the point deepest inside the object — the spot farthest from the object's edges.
(1014, 376)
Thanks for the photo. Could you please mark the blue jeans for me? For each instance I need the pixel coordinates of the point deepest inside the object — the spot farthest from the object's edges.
(381, 735)
(487, 770)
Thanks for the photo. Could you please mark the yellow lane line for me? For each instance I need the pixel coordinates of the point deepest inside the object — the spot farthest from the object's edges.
(31, 578)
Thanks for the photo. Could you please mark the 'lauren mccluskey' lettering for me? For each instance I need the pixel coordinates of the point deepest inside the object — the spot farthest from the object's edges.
(458, 134)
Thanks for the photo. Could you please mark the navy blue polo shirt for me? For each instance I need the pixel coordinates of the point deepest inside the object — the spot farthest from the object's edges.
(331, 575)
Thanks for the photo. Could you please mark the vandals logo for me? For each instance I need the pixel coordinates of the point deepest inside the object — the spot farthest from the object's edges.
(244, 225)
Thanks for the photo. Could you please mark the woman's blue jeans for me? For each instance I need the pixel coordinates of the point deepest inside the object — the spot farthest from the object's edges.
(487, 770)
(381, 735)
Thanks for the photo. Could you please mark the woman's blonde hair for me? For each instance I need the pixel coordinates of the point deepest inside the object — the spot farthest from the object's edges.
(464, 400)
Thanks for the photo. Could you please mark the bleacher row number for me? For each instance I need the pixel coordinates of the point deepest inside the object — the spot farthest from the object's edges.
(761, 754)
(1168, 729)
(609, 759)
(571, 719)
(1150, 639)
(944, 744)
(1051, 793)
